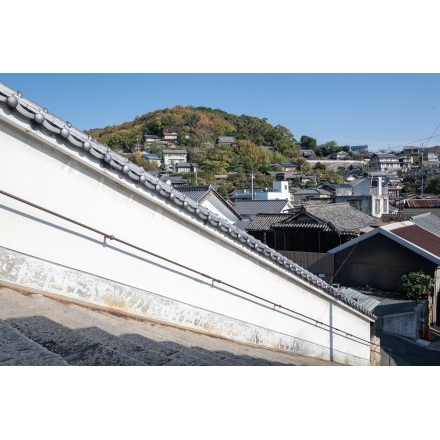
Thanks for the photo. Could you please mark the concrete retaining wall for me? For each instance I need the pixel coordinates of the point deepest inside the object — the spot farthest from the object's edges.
(409, 324)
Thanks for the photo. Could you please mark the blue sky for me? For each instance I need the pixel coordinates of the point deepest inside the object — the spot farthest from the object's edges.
(329, 70)
(384, 111)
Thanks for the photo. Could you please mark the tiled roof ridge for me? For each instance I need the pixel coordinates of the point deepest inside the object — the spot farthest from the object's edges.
(38, 118)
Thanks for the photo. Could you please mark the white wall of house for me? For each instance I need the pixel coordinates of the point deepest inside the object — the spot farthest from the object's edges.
(280, 191)
(47, 172)
(171, 158)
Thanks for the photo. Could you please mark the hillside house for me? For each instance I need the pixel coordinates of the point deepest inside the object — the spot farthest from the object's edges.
(153, 158)
(308, 154)
(390, 162)
(169, 136)
(151, 138)
(170, 158)
(186, 167)
(230, 141)
(430, 159)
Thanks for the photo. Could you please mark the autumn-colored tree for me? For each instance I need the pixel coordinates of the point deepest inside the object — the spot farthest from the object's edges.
(139, 160)
(219, 162)
(252, 157)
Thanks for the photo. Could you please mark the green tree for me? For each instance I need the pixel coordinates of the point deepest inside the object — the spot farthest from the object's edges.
(416, 285)
(251, 156)
(433, 185)
(307, 143)
(146, 164)
(219, 162)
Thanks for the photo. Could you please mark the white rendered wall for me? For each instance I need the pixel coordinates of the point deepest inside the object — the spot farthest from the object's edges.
(63, 180)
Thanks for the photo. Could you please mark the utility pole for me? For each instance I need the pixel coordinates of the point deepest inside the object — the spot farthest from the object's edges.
(252, 184)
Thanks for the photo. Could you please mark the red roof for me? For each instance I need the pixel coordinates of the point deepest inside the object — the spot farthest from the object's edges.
(420, 237)
(423, 203)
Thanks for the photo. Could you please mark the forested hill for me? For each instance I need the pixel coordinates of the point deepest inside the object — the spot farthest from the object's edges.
(202, 124)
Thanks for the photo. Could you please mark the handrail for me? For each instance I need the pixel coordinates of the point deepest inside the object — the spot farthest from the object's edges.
(213, 279)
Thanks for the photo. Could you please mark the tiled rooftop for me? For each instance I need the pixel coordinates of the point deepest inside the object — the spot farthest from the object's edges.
(263, 222)
(254, 207)
(341, 215)
(428, 221)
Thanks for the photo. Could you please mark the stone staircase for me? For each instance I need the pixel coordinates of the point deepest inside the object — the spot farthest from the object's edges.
(38, 330)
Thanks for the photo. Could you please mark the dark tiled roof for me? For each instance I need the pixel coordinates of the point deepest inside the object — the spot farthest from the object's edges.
(398, 217)
(311, 192)
(196, 193)
(254, 207)
(342, 216)
(263, 222)
(416, 211)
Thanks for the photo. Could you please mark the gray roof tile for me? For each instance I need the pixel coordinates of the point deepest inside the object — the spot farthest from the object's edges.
(428, 221)
(254, 207)
(264, 222)
(342, 216)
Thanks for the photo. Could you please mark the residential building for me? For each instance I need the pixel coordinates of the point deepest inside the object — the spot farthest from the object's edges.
(173, 157)
(311, 228)
(308, 154)
(153, 158)
(380, 257)
(385, 162)
(150, 138)
(186, 167)
(303, 196)
(169, 136)
(280, 191)
(430, 159)
(226, 140)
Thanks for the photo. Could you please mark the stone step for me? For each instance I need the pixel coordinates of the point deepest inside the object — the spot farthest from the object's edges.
(84, 336)
(18, 350)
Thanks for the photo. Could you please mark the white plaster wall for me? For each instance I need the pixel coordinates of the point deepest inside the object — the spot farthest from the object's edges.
(51, 175)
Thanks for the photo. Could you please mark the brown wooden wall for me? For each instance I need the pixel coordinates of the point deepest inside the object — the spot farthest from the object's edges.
(315, 262)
